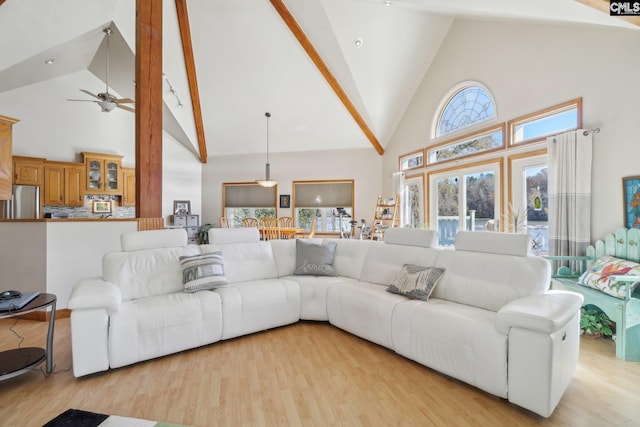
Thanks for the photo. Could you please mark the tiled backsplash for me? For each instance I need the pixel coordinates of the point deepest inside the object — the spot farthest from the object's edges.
(86, 211)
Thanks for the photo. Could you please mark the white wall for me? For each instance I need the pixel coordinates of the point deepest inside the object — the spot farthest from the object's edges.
(529, 67)
(364, 166)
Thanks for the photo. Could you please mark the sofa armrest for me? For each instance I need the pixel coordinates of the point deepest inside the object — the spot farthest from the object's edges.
(95, 293)
(545, 313)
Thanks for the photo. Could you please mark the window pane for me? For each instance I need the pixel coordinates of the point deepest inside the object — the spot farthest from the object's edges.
(475, 144)
(468, 106)
(545, 126)
(236, 215)
(329, 220)
(480, 191)
(447, 189)
(414, 204)
(412, 161)
(537, 208)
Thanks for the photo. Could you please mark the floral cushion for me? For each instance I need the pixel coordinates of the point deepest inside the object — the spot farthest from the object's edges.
(597, 276)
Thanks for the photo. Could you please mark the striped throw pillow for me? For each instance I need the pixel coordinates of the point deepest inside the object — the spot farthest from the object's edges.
(415, 282)
(204, 271)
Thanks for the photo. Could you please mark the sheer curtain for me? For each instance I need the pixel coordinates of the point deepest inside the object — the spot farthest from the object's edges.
(569, 160)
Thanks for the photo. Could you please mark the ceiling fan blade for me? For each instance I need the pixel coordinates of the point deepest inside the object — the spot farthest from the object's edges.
(89, 93)
(125, 101)
(82, 100)
(124, 107)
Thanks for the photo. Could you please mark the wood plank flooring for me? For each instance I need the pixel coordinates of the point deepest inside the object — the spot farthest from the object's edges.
(307, 374)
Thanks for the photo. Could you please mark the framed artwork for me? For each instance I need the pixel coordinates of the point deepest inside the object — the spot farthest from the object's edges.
(285, 201)
(181, 207)
(631, 200)
(101, 206)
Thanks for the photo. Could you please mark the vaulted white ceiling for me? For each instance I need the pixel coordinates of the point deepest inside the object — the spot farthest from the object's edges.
(248, 62)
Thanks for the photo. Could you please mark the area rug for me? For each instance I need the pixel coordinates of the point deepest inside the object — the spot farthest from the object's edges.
(78, 418)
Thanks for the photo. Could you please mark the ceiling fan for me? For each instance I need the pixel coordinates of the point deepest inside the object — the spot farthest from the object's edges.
(105, 100)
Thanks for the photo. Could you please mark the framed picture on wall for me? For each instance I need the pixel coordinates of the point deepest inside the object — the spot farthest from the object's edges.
(285, 201)
(181, 207)
(631, 200)
(101, 206)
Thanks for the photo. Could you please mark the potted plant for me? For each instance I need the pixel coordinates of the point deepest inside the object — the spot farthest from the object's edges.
(203, 233)
(594, 322)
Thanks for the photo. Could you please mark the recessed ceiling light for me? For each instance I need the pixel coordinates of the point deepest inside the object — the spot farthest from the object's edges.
(357, 42)
(50, 61)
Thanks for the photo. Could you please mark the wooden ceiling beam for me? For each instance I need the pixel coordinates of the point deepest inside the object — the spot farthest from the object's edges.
(304, 41)
(604, 5)
(190, 64)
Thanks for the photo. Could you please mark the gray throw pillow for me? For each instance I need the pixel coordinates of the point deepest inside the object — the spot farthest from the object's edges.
(315, 259)
(204, 271)
(415, 282)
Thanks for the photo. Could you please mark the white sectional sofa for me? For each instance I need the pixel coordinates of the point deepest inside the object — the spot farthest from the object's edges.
(490, 321)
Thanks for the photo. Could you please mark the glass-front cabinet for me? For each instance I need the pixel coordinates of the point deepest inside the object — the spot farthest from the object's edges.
(104, 173)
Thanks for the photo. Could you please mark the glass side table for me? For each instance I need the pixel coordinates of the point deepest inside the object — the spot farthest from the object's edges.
(20, 360)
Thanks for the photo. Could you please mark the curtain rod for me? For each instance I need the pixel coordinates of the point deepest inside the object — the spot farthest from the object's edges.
(586, 132)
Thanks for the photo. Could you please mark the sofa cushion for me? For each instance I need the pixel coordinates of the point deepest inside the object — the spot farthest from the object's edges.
(246, 261)
(153, 239)
(234, 235)
(411, 237)
(202, 271)
(495, 243)
(146, 272)
(315, 259)
(597, 276)
(415, 282)
(490, 281)
(350, 256)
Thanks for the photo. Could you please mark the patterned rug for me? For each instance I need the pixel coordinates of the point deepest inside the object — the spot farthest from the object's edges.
(78, 418)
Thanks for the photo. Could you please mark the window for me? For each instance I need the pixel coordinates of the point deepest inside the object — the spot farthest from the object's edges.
(476, 143)
(528, 189)
(413, 202)
(466, 104)
(541, 124)
(330, 202)
(465, 199)
(412, 160)
(245, 200)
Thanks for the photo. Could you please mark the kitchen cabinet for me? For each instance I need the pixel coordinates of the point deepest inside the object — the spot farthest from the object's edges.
(129, 187)
(103, 173)
(6, 162)
(28, 170)
(64, 184)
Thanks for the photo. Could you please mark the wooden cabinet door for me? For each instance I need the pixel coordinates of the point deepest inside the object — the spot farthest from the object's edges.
(28, 170)
(104, 173)
(6, 162)
(74, 185)
(129, 187)
(53, 185)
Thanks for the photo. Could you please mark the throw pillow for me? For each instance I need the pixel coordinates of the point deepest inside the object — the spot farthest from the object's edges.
(204, 271)
(415, 282)
(597, 276)
(315, 259)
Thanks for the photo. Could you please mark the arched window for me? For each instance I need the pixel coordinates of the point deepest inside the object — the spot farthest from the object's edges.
(466, 104)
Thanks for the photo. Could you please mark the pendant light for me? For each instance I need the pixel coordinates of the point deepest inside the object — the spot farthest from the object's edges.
(267, 182)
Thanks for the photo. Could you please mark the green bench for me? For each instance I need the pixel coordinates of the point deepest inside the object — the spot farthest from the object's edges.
(624, 243)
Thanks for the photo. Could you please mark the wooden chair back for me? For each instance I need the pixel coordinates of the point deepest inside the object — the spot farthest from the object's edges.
(224, 222)
(250, 222)
(312, 229)
(269, 228)
(285, 222)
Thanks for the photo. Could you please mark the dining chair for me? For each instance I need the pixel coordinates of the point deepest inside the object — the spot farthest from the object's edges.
(224, 222)
(285, 222)
(249, 222)
(312, 229)
(269, 228)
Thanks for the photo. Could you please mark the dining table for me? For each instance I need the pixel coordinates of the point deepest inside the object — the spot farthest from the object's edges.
(279, 232)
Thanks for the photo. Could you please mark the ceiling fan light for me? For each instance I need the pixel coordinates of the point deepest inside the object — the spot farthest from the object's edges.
(107, 106)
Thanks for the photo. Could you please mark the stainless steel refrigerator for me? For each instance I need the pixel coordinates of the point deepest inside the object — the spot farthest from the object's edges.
(24, 203)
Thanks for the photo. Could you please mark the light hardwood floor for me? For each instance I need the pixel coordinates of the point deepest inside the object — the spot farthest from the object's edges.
(307, 374)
